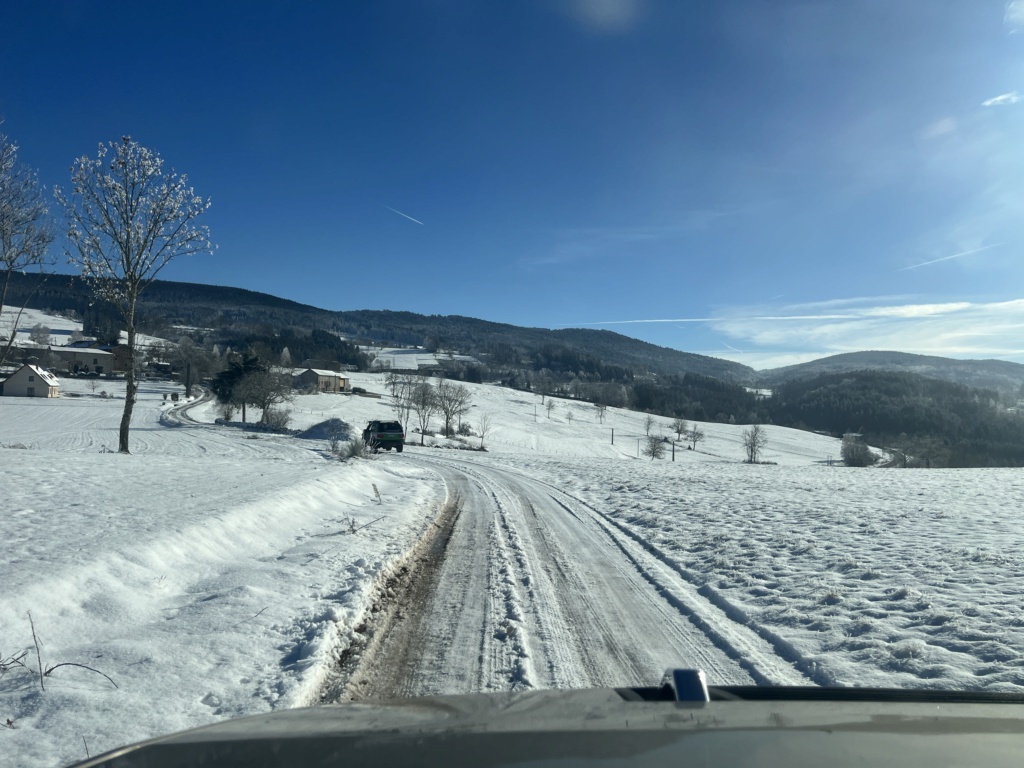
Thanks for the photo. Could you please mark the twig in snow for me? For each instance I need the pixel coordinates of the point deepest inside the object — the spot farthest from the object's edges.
(87, 755)
(6, 665)
(250, 618)
(377, 493)
(83, 666)
(9, 724)
(39, 655)
(369, 524)
(39, 660)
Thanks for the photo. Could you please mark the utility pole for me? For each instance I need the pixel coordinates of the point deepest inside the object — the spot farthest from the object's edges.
(613, 435)
(673, 450)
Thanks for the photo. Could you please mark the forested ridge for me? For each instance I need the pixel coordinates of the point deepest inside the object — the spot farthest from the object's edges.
(963, 426)
(228, 311)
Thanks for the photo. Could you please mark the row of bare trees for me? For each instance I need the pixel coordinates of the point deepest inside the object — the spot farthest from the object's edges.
(415, 394)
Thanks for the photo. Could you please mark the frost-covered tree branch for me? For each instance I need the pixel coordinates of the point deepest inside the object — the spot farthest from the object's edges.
(127, 220)
(26, 229)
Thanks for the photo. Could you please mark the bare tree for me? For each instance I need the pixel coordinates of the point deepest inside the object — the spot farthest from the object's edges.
(695, 435)
(26, 230)
(264, 389)
(39, 334)
(452, 401)
(192, 361)
(568, 416)
(391, 381)
(128, 219)
(286, 358)
(484, 428)
(549, 406)
(754, 441)
(401, 398)
(424, 403)
(856, 453)
(648, 423)
(654, 447)
(600, 411)
(679, 426)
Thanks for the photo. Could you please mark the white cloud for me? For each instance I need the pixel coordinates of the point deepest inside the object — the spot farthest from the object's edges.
(950, 329)
(606, 16)
(939, 128)
(774, 336)
(1013, 18)
(1002, 99)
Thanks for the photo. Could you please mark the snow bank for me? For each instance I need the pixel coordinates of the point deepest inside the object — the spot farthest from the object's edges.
(208, 574)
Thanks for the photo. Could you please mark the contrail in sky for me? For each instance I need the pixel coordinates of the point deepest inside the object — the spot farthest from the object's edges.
(947, 258)
(410, 218)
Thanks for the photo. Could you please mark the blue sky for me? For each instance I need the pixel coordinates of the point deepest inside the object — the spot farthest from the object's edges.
(761, 181)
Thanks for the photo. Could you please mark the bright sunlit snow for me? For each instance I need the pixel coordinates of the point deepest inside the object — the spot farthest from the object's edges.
(212, 573)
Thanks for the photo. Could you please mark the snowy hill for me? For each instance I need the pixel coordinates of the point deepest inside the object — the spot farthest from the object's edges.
(1000, 375)
(195, 304)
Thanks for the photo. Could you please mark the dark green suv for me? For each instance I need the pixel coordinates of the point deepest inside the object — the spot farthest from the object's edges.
(384, 434)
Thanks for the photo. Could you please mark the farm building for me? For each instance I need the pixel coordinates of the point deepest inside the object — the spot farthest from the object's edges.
(30, 381)
(320, 380)
(84, 360)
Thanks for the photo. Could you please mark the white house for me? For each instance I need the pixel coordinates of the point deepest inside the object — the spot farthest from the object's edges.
(30, 381)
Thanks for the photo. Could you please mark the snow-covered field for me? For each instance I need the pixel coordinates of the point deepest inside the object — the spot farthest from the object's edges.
(61, 328)
(401, 358)
(211, 573)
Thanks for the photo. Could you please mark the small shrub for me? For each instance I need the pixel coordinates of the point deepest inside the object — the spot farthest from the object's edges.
(354, 449)
(277, 419)
(358, 391)
(227, 412)
(465, 429)
(856, 454)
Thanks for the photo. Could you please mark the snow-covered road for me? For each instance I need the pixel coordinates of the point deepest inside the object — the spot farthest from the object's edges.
(536, 589)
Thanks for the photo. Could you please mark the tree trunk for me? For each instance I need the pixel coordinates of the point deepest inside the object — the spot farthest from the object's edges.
(131, 385)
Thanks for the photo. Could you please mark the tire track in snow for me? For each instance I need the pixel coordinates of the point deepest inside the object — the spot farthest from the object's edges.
(461, 627)
(621, 630)
(769, 658)
(766, 657)
(581, 610)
